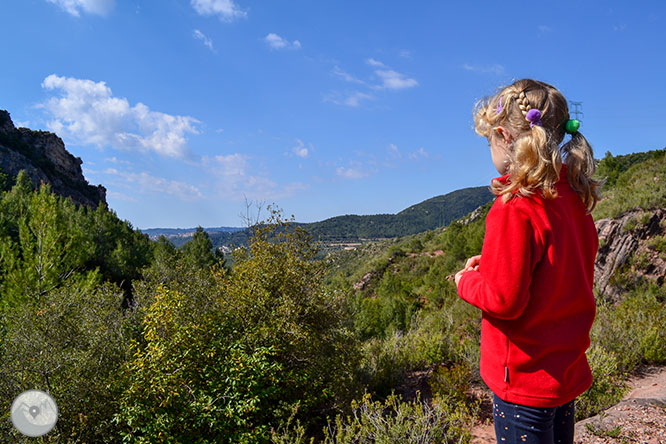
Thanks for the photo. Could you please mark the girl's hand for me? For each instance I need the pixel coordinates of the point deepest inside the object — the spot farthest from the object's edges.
(472, 264)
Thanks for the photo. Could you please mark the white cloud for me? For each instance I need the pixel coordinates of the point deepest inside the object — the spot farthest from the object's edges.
(226, 10)
(75, 7)
(375, 63)
(418, 154)
(390, 80)
(88, 113)
(115, 160)
(236, 181)
(395, 80)
(229, 166)
(120, 196)
(351, 172)
(394, 152)
(276, 42)
(345, 76)
(351, 99)
(144, 183)
(205, 40)
(300, 149)
(493, 69)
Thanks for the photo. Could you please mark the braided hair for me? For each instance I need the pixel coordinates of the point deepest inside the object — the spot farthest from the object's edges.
(535, 159)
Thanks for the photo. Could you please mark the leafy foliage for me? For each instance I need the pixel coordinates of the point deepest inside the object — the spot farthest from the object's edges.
(68, 342)
(391, 421)
(224, 356)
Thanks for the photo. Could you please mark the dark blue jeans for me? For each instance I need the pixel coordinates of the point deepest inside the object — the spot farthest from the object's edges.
(518, 424)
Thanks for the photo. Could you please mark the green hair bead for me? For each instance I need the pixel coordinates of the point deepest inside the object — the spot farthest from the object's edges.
(572, 126)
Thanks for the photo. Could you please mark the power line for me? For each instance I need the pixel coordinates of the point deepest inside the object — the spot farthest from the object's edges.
(578, 109)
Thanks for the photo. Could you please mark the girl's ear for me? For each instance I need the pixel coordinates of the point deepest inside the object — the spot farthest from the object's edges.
(506, 135)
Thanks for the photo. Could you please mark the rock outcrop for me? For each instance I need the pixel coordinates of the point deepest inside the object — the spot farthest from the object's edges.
(44, 158)
(625, 242)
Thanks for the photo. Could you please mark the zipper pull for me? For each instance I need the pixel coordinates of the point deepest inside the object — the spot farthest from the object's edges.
(506, 374)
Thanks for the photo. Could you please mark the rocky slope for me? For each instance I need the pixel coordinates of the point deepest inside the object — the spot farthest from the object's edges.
(44, 158)
(630, 246)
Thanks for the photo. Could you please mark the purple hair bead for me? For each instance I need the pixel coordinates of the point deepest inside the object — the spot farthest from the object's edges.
(499, 105)
(534, 117)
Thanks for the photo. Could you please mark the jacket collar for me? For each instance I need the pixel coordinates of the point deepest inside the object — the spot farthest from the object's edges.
(563, 176)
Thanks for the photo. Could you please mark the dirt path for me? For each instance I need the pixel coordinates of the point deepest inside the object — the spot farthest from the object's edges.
(639, 418)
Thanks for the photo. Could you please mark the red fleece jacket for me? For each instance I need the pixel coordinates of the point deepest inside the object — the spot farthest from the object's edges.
(534, 286)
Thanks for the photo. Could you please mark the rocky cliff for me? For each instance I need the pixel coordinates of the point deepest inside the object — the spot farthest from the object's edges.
(44, 158)
(632, 248)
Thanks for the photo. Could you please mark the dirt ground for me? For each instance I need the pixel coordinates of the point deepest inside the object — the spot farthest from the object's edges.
(639, 418)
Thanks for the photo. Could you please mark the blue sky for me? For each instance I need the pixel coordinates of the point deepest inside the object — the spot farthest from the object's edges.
(183, 109)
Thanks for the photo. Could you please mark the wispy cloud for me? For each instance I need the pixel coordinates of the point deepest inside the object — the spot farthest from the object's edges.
(75, 7)
(352, 99)
(205, 40)
(620, 27)
(234, 179)
(418, 154)
(276, 42)
(346, 76)
(226, 10)
(300, 149)
(116, 161)
(389, 79)
(353, 172)
(394, 80)
(394, 154)
(87, 113)
(120, 196)
(144, 182)
(492, 69)
(376, 63)
(544, 28)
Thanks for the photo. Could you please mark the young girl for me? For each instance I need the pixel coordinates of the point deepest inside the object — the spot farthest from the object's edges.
(533, 279)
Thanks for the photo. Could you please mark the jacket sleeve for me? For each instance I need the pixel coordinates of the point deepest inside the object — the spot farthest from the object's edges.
(509, 255)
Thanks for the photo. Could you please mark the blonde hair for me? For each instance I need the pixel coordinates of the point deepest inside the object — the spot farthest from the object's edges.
(535, 160)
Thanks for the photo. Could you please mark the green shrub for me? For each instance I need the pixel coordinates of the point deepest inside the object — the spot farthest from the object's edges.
(226, 355)
(640, 260)
(607, 386)
(197, 381)
(450, 383)
(641, 186)
(71, 343)
(630, 225)
(392, 421)
(657, 243)
(623, 336)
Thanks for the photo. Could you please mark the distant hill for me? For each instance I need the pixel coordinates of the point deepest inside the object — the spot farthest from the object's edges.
(340, 231)
(435, 212)
(154, 233)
